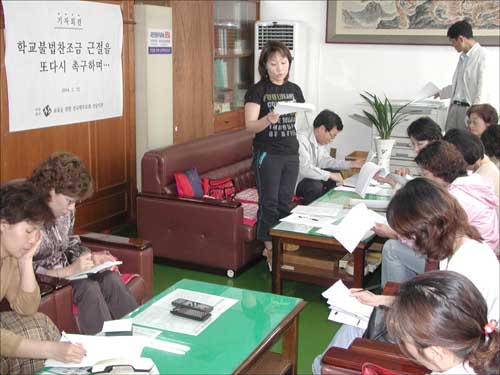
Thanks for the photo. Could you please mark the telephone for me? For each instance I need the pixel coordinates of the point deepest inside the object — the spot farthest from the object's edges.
(127, 366)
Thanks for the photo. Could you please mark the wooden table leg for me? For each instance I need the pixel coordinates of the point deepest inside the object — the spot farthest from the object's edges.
(290, 339)
(277, 256)
(359, 267)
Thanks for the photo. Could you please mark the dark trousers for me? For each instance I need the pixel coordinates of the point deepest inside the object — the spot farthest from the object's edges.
(310, 189)
(275, 176)
(99, 298)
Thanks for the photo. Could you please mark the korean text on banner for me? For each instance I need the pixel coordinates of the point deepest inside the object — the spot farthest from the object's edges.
(63, 62)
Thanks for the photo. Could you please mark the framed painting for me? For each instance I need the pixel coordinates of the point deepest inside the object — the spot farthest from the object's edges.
(410, 22)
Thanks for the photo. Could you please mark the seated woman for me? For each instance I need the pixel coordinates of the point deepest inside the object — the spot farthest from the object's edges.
(421, 132)
(491, 143)
(442, 162)
(26, 337)
(64, 180)
(440, 320)
(480, 117)
(472, 149)
(432, 218)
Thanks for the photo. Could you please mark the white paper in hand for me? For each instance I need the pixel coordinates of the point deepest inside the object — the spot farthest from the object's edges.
(284, 108)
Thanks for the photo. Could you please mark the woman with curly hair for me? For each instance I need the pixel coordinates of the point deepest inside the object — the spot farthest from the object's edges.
(440, 319)
(26, 336)
(64, 180)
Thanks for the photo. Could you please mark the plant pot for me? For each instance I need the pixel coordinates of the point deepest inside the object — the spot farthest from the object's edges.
(384, 150)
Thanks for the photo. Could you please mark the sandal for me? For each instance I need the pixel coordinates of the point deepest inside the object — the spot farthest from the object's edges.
(268, 253)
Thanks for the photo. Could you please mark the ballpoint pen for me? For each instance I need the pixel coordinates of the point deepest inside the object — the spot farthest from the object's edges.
(308, 218)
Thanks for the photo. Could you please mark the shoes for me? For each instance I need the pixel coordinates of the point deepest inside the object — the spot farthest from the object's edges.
(268, 253)
(290, 247)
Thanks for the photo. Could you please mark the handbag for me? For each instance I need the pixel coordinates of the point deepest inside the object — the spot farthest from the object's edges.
(222, 189)
(377, 330)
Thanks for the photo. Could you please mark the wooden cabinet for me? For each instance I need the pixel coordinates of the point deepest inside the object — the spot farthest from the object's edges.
(213, 65)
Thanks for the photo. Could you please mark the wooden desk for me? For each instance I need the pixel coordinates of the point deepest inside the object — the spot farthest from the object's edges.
(239, 340)
(283, 233)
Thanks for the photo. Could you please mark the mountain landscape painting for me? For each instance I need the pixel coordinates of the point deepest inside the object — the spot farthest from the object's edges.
(410, 21)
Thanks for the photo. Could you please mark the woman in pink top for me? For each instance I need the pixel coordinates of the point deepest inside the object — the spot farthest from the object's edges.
(442, 162)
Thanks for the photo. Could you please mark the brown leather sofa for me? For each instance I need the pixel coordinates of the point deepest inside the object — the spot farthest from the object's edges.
(202, 232)
(137, 258)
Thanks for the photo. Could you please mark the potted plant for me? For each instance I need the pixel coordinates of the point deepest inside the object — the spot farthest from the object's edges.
(384, 118)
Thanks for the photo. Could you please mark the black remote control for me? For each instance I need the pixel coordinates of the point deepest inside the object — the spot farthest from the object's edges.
(190, 313)
(181, 302)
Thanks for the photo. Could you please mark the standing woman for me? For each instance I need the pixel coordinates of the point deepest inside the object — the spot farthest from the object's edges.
(275, 146)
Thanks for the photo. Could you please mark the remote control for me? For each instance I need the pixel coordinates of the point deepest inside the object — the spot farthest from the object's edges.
(181, 302)
(190, 313)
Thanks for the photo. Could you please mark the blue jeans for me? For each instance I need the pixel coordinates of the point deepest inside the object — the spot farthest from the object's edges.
(342, 339)
(400, 262)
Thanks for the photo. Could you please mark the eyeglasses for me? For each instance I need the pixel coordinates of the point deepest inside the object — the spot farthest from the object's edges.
(332, 134)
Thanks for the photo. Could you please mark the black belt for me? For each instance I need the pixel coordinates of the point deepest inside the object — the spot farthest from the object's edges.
(461, 104)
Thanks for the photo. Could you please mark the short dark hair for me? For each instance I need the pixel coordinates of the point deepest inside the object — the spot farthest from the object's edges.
(443, 160)
(460, 28)
(269, 49)
(424, 129)
(20, 201)
(491, 141)
(65, 173)
(468, 144)
(329, 120)
(487, 112)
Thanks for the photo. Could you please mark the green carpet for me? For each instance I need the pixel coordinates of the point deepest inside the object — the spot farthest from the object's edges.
(315, 331)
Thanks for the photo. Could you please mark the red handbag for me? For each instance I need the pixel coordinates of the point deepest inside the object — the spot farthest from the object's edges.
(373, 369)
(222, 189)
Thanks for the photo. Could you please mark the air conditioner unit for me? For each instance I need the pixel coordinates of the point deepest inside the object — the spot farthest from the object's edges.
(293, 35)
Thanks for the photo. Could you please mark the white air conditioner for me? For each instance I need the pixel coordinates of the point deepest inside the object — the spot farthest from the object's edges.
(293, 35)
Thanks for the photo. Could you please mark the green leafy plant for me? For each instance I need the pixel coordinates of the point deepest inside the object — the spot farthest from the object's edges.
(384, 118)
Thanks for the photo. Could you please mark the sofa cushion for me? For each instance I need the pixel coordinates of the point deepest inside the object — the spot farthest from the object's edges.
(188, 184)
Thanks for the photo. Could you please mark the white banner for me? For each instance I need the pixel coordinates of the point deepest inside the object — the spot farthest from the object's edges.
(63, 62)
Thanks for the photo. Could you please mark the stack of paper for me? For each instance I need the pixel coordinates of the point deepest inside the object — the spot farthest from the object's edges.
(345, 308)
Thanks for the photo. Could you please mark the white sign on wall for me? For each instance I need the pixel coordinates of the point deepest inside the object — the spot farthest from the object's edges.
(63, 62)
(159, 41)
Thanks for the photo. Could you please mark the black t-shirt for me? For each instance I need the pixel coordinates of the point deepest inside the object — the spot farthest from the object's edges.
(279, 138)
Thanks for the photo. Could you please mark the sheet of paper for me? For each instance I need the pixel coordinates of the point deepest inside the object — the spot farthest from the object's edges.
(310, 220)
(158, 314)
(353, 227)
(145, 332)
(384, 190)
(430, 89)
(168, 346)
(102, 347)
(367, 172)
(95, 269)
(338, 296)
(118, 325)
(316, 210)
(341, 317)
(374, 204)
(291, 107)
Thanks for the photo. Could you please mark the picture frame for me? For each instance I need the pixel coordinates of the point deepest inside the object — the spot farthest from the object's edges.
(380, 21)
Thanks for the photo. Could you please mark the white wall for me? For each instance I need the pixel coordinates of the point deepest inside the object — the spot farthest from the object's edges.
(339, 72)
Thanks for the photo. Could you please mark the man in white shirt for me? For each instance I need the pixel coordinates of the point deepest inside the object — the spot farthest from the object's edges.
(316, 165)
(470, 83)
